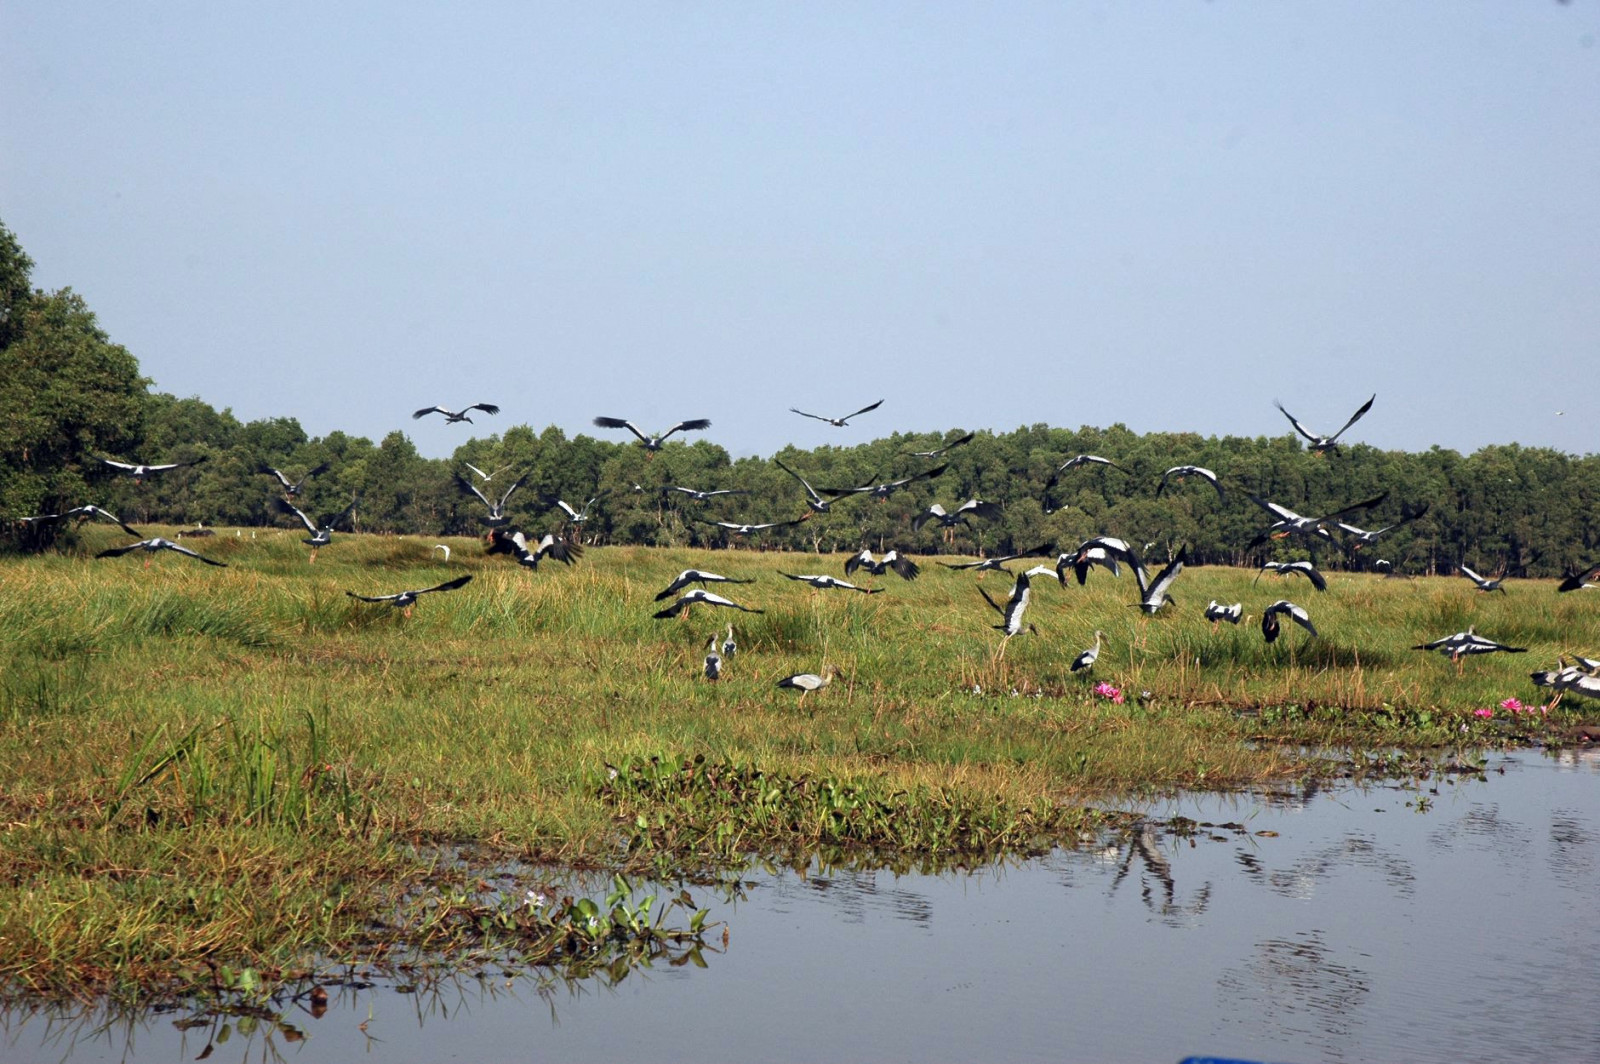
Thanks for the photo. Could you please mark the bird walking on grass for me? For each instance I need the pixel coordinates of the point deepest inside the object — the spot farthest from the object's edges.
(1269, 619)
(729, 647)
(713, 660)
(807, 682)
(404, 600)
(1087, 659)
(153, 544)
(452, 417)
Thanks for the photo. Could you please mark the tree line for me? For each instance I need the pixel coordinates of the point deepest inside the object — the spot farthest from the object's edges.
(70, 395)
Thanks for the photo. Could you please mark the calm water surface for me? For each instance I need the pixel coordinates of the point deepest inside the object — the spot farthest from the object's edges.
(1365, 929)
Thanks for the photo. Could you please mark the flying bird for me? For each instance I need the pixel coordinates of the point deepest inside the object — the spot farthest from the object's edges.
(1157, 593)
(497, 510)
(836, 422)
(481, 475)
(153, 544)
(997, 562)
(1087, 659)
(902, 566)
(1289, 523)
(451, 416)
(989, 511)
(404, 600)
(1269, 618)
(1182, 472)
(1466, 644)
(1582, 677)
(1577, 579)
(140, 472)
(746, 530)
(321, 531)
(696, 576)
(824, 582)
(653, 444)
(574, 517)
(882, 491)
(1217, 612)
(1086, 459)
(699, 596)
(446, 548)
(1321, 444)
(1011, 613)
(83, 513)
(818, 504)
(706, 496)
(548, 546)
(1104, 551)
(938, 452)
(291, 488)
(1356, 538)
(1484, 583)
(1304, 568)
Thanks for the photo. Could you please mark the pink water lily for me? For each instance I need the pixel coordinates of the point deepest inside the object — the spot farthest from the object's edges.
(1513, 705)
(1105, 690)
(1484, 712)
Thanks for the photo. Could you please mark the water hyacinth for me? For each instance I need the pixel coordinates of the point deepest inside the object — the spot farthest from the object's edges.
(1105, 690)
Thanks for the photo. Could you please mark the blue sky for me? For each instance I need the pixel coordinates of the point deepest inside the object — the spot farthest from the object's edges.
(1167, 215)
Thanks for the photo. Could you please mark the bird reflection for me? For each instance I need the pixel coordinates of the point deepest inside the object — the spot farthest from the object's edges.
(1156, 886)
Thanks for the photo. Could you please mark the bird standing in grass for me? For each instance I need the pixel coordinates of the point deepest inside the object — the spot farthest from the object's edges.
(729, 647)
(404, 600)
(713, 660)
(806, 682)
(1087, 659)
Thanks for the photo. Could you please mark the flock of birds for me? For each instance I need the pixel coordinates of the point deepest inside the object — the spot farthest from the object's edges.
(1581, 676)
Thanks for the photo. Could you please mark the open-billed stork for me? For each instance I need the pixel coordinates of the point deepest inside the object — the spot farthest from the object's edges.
(883, 491)
(807, 682)
(699, 597)
(500, 541)
(83, 513)
(997, 563)
(823, 582)
(989, 511)
(140, 472)
(1269, 619)
(894, 561)
(1467, 644)
(1109, 552)
(696, 576)
(1289, 523)
(1156, 593)
(652, 444)
(153, 544)
(836, 422)
(938, 452)
(1483, 583)
(404, 600)
(1011, 613)
(818, 504)
(1215, 612)
(1182, 472)
(497, 510)
(1304, 568)
(321, 531)
(451, 417)
(291, 488)
(1087, 659)
(1322, 444)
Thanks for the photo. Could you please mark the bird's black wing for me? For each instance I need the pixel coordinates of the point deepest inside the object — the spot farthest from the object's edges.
(424, 412)
(448, 585)
(619, 423)
(290, 508)
(1354, 417)
(863, 410)
(487, 408)
(692, 425)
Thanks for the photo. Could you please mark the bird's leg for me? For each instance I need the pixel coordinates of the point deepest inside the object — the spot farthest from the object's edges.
(406, 611)
(313, 554)
(147, 561)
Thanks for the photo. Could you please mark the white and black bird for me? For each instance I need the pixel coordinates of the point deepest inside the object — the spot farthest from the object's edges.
(1086, 459)
(1484, 583)
(140, 472)
(836, 422)
(807, 682)
(1582, 677)
(1269, 618)
(404, 600)
(574, 516)
(1087, 659)
(699, 597)
(818, 504)
(1289, 523)
(652, 444)
(824, 582)
(81, 514)
(989, 511)
(1578, 579)
(1356, 538)
(883, 491)
(1320, 443)
(1468, 644)
(696, 576)
(1304, 568)
(1215, 612)
(705, 496)
(497, 509)
(321, 531)
(1011, 613)
(938, 452)
(713, 660)
(1180, 473)
(481, 475)
(1157, 593)
(529, 555)
(894, 561)
(729, 647)
(291, 488)
(151, 546)
(747, 529)
(453, 416)
(997, 563)
(1108, 552)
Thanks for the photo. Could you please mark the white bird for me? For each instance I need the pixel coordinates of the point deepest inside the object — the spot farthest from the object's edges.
(1467, 644)
(696, 576)
(1180, 472)
(446, 548)
(83, 513)
(548, 546)
(817, 503)
(902, 566)
(1325, 443)
(321, 534)
(575, 517)
(291, 488)
(824, 582)
(836, 422)
(497, 510)
(745, 530)
(1304, 568)
(1104, 551)
(1484, 583)
(1156, 594)
(152, 545)
(485, 477)
(1087, 659)
(452, 416)
(1216, 612)
(699, 596)
(806, 682)
(713, 660)
(882, 491)
(706, 496)
(653, 444)
(1086, 459)
(1011, 613)
(404, 600)
(1269, 618)
(140, 472)
(729, 647)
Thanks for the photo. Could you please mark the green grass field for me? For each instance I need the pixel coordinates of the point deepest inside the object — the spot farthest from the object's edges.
(246, 766)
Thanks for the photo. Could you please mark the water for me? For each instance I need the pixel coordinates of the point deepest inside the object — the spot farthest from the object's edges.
(1365, 929)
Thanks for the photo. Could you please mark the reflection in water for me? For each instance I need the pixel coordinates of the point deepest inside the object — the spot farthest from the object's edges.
(1299, 987)
(854, 894)
(1153, 865)
(1301, 878)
